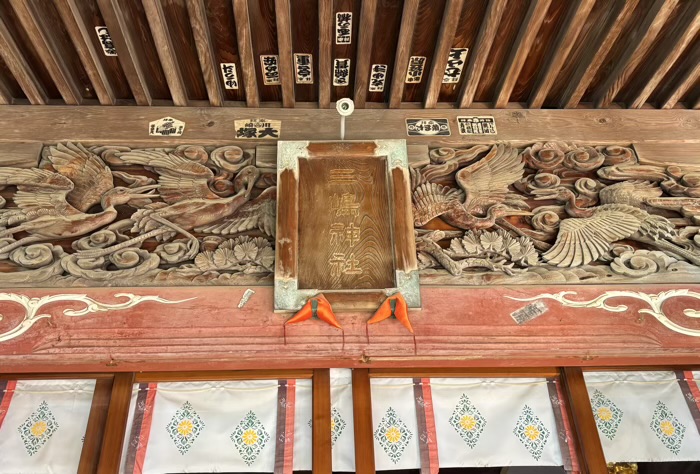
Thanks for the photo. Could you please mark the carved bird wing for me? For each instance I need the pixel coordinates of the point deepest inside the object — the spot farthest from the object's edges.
(583, 240)
(180, 178)
(431, 200)
(90, 175)
(487, 180)
(39, 192)
(259, 213)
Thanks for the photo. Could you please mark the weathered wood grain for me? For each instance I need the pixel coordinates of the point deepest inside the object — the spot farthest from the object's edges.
(364, 51)
(20, 155)
(94, 432)
(635, 51)
(284, 47)
(305, 40)
(671, 153)
(362, 421)
(322, 456)
(22, 71)
(450, 20)
(526, 37)
(5, 92)
(115, 425)
(560, 51)
(684, 84)
(325, 61)
(403, 52)
(224, 42)
(245, 48)
(286, 263)
(477, 60)
(207, 60)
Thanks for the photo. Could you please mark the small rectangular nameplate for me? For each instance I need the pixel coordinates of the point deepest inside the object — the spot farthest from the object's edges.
(529, 312)
(258, 128)
(477, 125)
(428, 127)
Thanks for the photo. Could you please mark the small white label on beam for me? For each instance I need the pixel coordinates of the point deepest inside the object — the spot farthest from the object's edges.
(416, 65)
(343, 28)
(228, 70)
(269, 63)
(258, 128)
(106, 41)
(455, 64)
(341, 72)
(477, 125)
(304, 68)
(377, 77)
(166, 127)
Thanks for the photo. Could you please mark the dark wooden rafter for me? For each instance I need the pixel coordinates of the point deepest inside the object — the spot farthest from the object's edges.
(480, 52)
(364, 51)
(596, 53)
(523, 43)
(321, 434)
(691, 77)
(20, 68)
(128, 49)
(362, 420)
(284, 45)
(245, 49)
(450, 21)
(45, 45)
(5, 93)
(205, 51)
(403, 52)
(325, 60)
(560, 50)
(73, 15)
(683, 37)
(635, 51)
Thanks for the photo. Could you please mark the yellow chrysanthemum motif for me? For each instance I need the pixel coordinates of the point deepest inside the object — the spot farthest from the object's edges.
(532, 432)
(184, 428)
(667, 428)
(605, 413)
(467, 422)
(39, 428)
(332, 425)
(393, 434)
(250, 437)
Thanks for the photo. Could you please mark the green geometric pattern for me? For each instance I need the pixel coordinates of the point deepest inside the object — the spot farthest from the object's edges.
(37, 429)
(250, 438)
(337, 425)
(607, 415)
(530, 430)
(667, 428)
(393, 435)
(467, 421)
(184, 427)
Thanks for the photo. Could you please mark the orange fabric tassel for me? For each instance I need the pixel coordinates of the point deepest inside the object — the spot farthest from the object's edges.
(393, 306)
(319, 307)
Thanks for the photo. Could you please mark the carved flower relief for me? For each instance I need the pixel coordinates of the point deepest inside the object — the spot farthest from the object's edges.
(617, 155)
(498, 246)
(36, 255)
(584, 158)
(97, 240)
(230, 158)
(541, 180)
(242, 253)
(639, 263)
(544, 156)
(177, 252)
(192, 152)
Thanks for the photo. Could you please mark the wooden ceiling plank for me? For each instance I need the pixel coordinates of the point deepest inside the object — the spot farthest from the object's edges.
(560, 51)
(596, 53)
(480, 51)
(521, 48)
(364, 51)
(448, 28)
(166, 51)
(205, 51)
(636, 50)
(686, 33)
(81, 35)
(45, 46)
(20, 68)
(403, 52)
(685, 83)
(128, 49)
(245, 49)
(284, 46)
(5, 94)
(325, 45)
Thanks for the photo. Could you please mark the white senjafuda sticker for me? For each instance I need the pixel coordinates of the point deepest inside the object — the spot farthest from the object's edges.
(228, 70)
(377, 77)
(258, 128)
(428, 127)
(455, 64)
(416, 65)
(477, 125)
(303, 68)
(166, 127)
(106, 41)
(341, 72)
(269, 63)
(343, 28)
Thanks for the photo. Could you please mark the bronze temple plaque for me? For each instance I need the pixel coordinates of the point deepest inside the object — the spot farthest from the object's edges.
(344, 224)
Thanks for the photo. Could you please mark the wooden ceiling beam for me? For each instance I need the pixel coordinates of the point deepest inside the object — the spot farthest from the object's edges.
(284, 46)
(691, 77)
(20, 68)
(245, 50)
(403, 52)
(480, 51)
(325, 45)
(75, 18)
(595, 54)
(448, 28)
(686, 31)
(158, 24)
(5, 94)
(364, 51)
(635, 51)
(521, 48)
(322, 458)
(129, 51)
(39, 34)
(205, 51)
(561, 48)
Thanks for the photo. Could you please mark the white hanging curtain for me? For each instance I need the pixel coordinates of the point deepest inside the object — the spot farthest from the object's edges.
(646, 416)
(42, 425)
